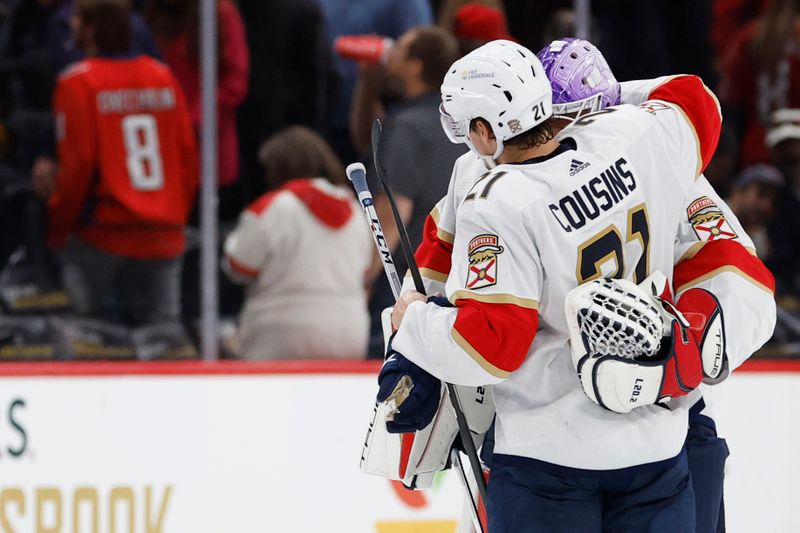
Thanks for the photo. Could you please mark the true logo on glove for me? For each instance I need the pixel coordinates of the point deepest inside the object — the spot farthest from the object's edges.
(483, 251)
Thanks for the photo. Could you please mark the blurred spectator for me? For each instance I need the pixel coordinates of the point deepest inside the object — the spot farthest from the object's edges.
(286, 88)
(390, 18)
(722, 167)
(447, 10)
(61, 47)
(729, 16)
(128, 173)
(416, 154)
(302, 250)
(762, 74)
(476, 25)
(783, 140)
(754, 199)
(39, 45)
(176, 26)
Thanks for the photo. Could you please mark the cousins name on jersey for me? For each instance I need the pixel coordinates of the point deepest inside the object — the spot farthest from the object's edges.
(596, 195)
(150, 99)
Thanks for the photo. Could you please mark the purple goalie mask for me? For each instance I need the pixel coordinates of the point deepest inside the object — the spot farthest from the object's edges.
(580, 77)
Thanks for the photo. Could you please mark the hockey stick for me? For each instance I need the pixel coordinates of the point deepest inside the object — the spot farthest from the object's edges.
(357, 175)
(463, 427)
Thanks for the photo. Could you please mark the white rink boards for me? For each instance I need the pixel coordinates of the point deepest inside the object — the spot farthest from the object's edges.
(213, 452)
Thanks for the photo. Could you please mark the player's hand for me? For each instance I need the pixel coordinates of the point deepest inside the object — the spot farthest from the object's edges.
(406, 299)
(620, 361)
(413, 393)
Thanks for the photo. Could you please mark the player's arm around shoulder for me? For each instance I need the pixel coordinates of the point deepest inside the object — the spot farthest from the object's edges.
(715, 254)
(687, 115)
(493, 289)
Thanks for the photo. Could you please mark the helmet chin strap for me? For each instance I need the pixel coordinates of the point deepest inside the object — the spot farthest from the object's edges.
(489, 160)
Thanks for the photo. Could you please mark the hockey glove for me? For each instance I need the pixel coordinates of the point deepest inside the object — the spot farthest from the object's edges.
(632, 347)
(412, 392)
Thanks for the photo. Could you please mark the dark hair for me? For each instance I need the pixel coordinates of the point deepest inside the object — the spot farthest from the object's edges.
(169, 20)
(298, 152)
(437, 49)
(111, 22)
(535, 136)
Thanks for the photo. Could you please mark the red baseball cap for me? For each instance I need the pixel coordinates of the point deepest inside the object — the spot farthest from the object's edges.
(477, 22)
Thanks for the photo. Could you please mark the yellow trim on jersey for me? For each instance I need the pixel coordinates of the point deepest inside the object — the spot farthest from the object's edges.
(446, 236)
(433, 274)
(696, 140)
(686, 117)
(435, 214)
(527, 303)
(481, 360)
(696, 247)
(720, 270)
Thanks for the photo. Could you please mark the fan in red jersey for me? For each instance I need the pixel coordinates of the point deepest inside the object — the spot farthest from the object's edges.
(128, 173)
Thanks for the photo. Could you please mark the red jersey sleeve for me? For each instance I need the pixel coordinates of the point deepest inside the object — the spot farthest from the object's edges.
(433, 253)
(700, 107)
(76, 149)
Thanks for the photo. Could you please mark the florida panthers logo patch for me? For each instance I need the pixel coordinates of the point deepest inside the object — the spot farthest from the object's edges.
(708, 221)
(483, 251)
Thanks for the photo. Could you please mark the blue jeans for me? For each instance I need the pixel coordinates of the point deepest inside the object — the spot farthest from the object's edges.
(121, 289)
(529, 496)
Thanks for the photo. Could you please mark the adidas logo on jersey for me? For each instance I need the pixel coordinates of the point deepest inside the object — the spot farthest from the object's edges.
(576, 166)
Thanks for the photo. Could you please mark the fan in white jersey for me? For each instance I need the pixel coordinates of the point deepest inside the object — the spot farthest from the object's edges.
(526, 234)
(582, 82)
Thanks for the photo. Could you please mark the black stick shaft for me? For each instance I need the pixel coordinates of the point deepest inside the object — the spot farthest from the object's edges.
(463, 427)
(405, 243)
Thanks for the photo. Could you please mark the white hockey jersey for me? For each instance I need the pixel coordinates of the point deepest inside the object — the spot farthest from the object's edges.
(608, 203)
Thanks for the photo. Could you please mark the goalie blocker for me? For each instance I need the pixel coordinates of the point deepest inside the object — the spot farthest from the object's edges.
(414, 458)
(632, 347)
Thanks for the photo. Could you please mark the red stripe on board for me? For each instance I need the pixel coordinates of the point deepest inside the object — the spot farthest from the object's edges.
(770, 365)
(187, 368)
(233, 368)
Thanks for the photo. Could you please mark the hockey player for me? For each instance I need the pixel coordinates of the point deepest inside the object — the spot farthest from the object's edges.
(547, 432)
(582, 82)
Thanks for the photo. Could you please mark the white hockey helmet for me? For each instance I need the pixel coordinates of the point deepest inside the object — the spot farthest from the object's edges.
(503, 83)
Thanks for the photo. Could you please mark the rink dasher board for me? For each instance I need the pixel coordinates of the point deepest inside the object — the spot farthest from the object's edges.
(233, 448)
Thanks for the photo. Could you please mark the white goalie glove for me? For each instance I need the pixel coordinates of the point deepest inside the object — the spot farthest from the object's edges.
(632, 347)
